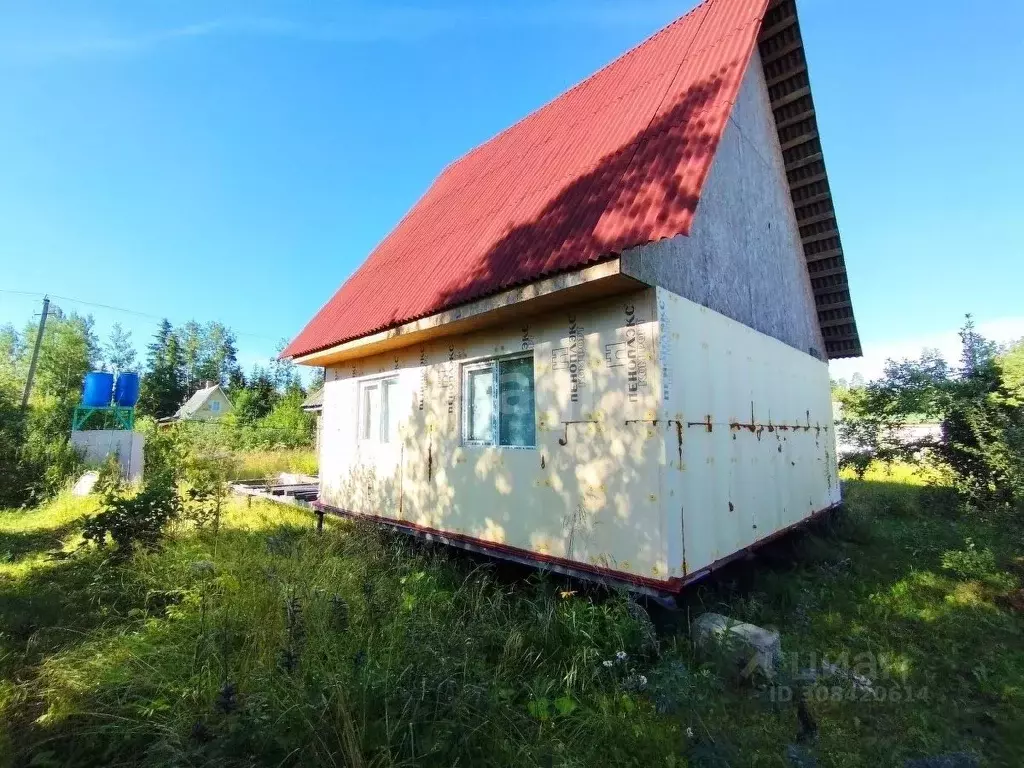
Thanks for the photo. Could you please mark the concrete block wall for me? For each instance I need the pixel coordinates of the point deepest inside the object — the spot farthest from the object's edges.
(96, 445)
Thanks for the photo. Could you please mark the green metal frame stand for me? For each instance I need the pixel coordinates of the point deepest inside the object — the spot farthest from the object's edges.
(124, 418)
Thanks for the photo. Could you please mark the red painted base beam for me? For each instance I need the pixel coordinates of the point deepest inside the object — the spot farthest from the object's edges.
(654, 587)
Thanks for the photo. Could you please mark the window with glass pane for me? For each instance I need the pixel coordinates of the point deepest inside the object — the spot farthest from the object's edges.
(516, 423)
(480, 404)
(498, 403)
(379, 411)
(371, 412)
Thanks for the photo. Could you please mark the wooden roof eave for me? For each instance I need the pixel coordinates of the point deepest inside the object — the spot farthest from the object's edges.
(785, 71)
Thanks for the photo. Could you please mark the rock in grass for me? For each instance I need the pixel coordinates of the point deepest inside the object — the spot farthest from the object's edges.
(648, 633)
(750, 647)
(85, 484)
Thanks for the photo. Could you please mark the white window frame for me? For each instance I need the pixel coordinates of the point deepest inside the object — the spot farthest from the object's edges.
(215, 406)
(467, 370)
(492, 363)
(381, 383)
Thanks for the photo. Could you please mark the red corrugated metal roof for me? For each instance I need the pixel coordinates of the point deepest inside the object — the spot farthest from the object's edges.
(617, 161)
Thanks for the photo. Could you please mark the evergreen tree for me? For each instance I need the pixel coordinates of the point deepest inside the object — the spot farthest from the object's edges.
(163, 387)
(120, 352)
(978, 352)
(155, 349)
(257, 399)
(236, 380)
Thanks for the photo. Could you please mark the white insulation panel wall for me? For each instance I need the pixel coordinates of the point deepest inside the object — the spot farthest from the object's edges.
(668, 437)
(593, 501)
(754, 449)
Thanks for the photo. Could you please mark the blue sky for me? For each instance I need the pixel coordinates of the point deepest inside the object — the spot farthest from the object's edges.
(237, 160)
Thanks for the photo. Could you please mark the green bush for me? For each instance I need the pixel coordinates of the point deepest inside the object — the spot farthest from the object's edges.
(980, 406)
(15, 480)
(129, 518)
(204, 486)
(108, 476)
(37, 459)
(970, 562)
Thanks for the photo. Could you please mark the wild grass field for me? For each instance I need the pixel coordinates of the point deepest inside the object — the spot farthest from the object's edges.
(260, 464)
(262, 643)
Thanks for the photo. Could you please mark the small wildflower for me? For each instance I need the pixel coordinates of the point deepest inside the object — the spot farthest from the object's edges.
(608, 662)
(643, 681)
(689, 733)
(620, 655)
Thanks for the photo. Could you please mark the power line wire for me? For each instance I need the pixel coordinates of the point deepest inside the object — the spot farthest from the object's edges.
(147, 315)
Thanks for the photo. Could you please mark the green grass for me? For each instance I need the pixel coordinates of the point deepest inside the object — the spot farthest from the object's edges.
(257, 465)
(359, 648)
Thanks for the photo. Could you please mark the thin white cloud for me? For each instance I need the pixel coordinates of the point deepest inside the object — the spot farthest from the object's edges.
(377, 24)
(872, 364)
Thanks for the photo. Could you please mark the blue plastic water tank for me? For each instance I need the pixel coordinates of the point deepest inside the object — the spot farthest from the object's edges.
(97, 389)
(126, 392)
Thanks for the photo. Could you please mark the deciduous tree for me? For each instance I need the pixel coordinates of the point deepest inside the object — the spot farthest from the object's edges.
(119, 350)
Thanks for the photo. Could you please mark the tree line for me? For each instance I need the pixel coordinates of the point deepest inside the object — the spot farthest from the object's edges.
(179, 361)
(978, 402)
(35, 455)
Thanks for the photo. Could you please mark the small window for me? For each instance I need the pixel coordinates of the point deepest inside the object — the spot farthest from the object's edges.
(379, 411)
(215, 405)
(498, 405)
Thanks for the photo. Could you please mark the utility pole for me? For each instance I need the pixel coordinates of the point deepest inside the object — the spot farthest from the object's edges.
(35, 353)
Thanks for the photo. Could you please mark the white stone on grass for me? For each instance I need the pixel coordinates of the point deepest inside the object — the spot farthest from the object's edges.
(749, 646)
(85, 484)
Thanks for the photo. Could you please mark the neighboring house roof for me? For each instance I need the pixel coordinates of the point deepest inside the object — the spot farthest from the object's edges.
(197, 401)
(615, 162)
(314, 401)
